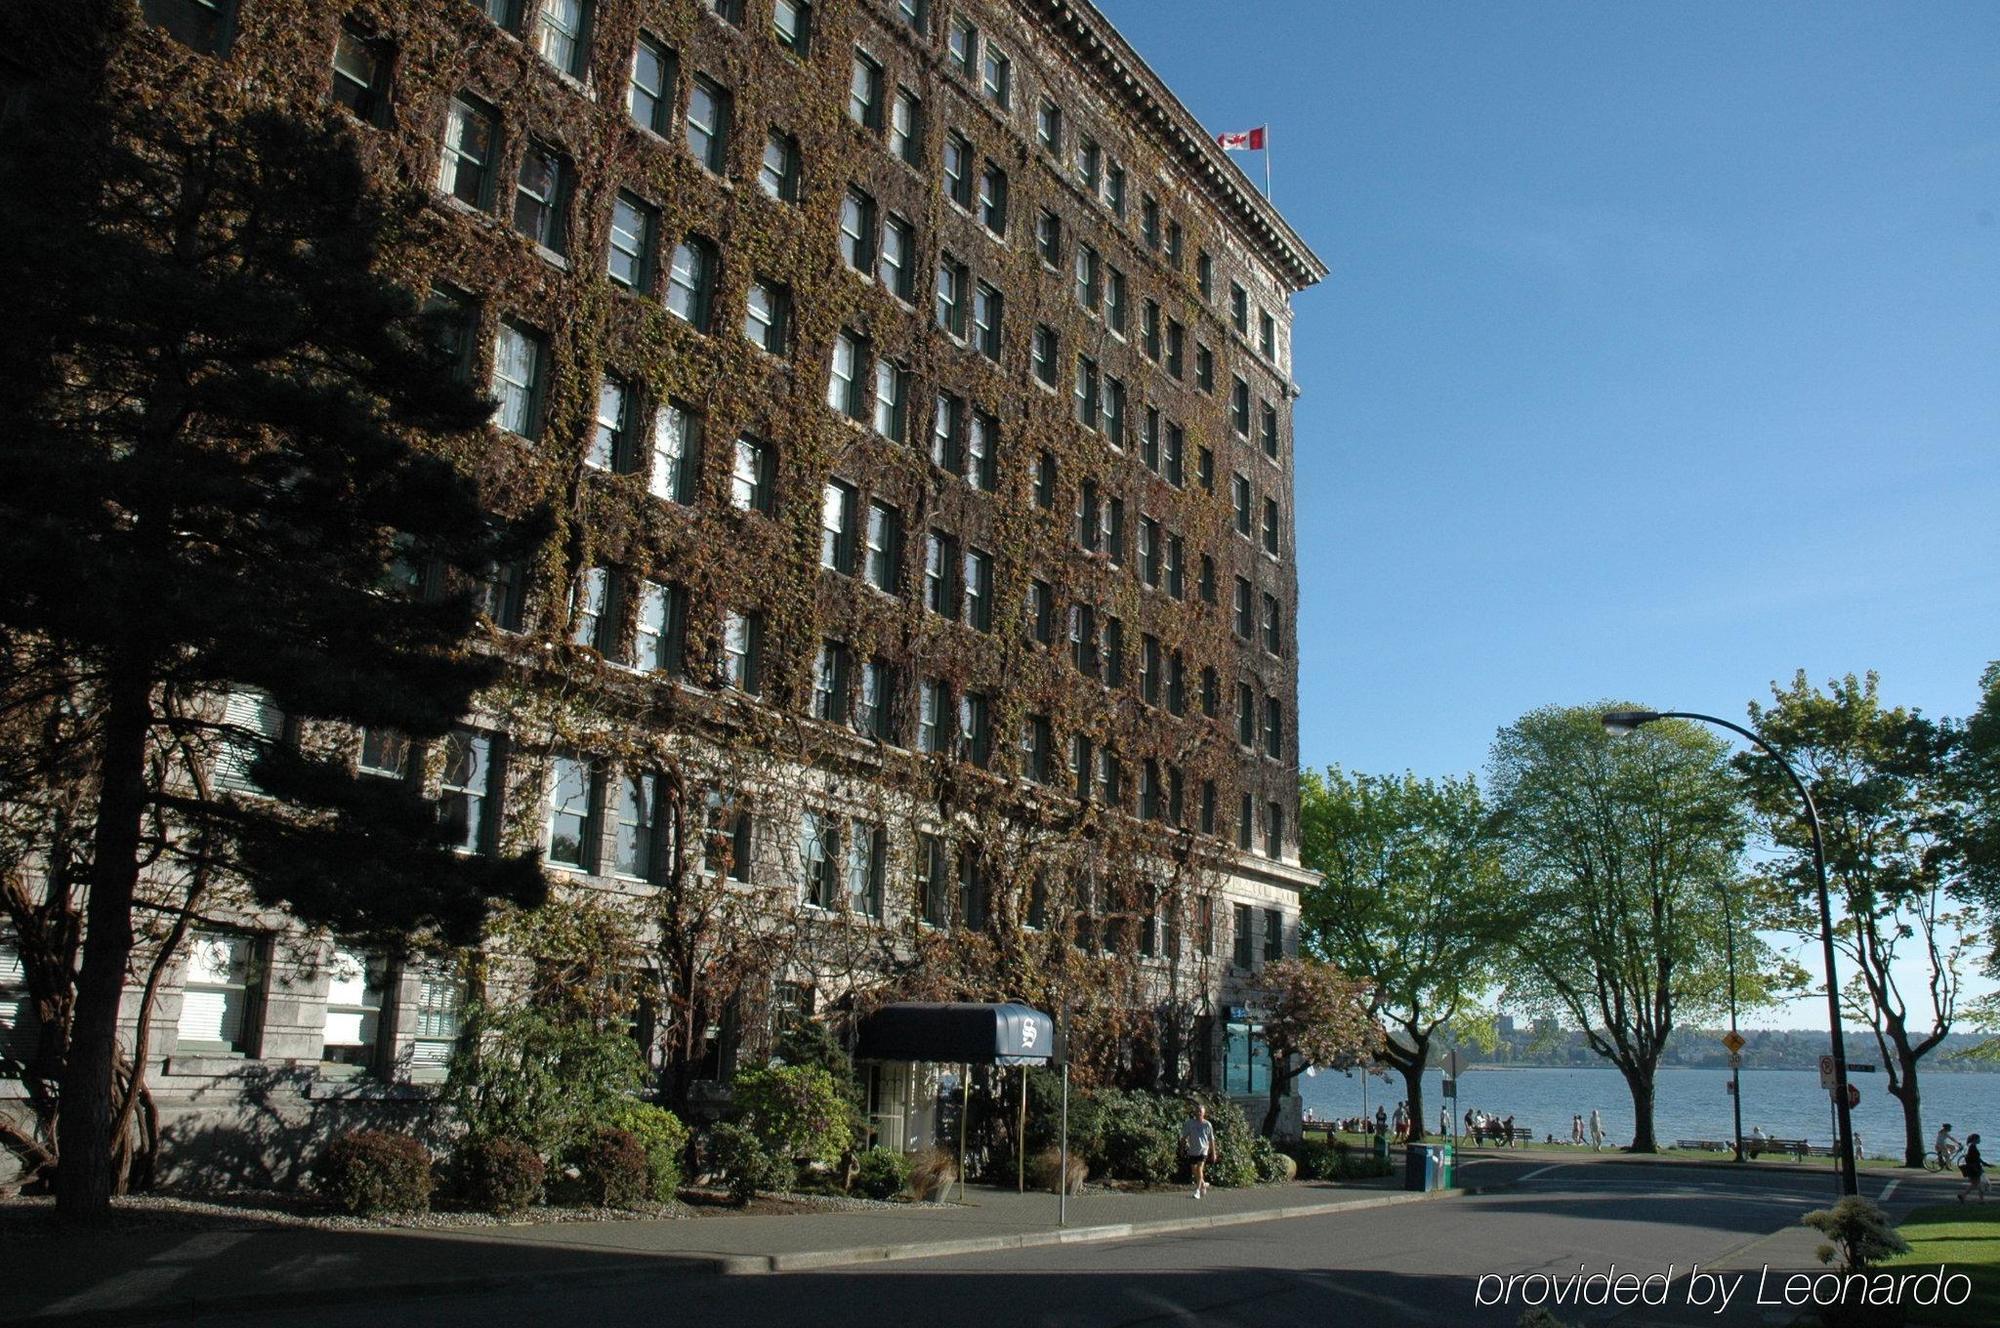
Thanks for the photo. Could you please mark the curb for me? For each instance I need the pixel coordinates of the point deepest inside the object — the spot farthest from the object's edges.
(723, 1265)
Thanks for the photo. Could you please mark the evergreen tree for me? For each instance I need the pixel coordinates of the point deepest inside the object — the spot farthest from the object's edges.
(214, 476)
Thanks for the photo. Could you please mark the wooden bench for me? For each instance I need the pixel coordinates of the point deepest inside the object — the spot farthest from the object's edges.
(1798, 1148)
(1702, 1145)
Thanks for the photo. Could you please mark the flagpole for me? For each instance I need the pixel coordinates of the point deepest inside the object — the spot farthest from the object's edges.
(1267, 163)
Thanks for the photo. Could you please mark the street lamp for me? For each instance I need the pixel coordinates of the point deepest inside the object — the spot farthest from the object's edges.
(1620, 722)
(1735, 1051)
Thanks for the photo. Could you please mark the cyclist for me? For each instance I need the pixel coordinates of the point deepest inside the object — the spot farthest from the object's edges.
(1946, 1146)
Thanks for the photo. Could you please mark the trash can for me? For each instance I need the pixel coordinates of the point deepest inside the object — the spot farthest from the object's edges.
(1423, 1167)
(1382, 1150)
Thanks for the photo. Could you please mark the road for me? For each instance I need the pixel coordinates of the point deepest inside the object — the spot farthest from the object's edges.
(1414, 1264)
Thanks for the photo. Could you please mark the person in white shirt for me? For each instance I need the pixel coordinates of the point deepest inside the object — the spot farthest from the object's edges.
(1946, 1146)
(1197, 1146)
(1596, 1131)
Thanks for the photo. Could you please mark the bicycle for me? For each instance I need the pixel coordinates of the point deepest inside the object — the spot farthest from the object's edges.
(1936, 1160)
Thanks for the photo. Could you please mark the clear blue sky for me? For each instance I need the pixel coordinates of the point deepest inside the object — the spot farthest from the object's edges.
(1660, 358)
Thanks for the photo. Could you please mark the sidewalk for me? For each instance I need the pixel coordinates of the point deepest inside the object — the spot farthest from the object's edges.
(126, 1277)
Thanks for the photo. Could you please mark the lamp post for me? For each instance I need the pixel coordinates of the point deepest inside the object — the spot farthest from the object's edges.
(1735, 1055)
(1620, 722)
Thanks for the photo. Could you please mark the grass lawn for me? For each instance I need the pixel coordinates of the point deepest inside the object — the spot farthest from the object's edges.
(1965, 1238)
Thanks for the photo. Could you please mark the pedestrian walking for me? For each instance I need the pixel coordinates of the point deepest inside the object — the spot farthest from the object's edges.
(1596, 1131)
(1576, 1128)
(1198, 1147)
(1974, 1170)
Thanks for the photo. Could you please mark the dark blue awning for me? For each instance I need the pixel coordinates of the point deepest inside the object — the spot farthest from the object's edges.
(958, 1033)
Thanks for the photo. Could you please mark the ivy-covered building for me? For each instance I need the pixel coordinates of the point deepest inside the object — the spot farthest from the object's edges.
(911, 383)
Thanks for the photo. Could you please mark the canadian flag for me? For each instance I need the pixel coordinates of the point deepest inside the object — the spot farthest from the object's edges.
(1250, 140)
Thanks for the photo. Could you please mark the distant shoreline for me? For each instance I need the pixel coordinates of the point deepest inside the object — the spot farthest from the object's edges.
(1923, 1068)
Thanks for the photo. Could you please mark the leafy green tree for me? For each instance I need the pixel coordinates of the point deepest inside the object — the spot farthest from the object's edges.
(1972, 829)
(1412, 899)
(1617, 850)
(215, 476)
(1314, 1014)
(1877, 775)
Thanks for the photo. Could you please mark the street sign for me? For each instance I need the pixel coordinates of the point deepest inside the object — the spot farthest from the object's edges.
(1852, 1068)
(1853, 1096)
(1729, 1087)
(1451, 1089)
(1733, 1040)
(1826, 1072)
(1735, 1060)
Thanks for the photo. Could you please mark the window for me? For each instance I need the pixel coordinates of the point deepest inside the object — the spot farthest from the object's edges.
(1176, 336)
(993, 199)
(750, 479)
(1089, 161)
(1246, 823)
(1176, 582)
(996, 77)
(864, 92)
(906, 127)
(572, 812)
(1239, 407)
(517, 380)
(727, 849)
(1049, 125)
(1246, 715)
(1114, 190)
(1041, 612)
(791, 24)
(884, 556)
(1035, 748)
(1114, 652)
(933, 881)
(1086, 392)
(1204, 368)
(662, 629)
(1274, 935)
(1174, 240)
(1110, 778)
(1149, 329)
(857, 231)
(1045, 480)
(455, 322)
(1274, 727)
(1083, 639)
(468, 791)
(1242, 625)
(866, 849)
(384, 753)
(563, 37)
(898, 249)
(819, 851)
(649, 96)
(1274, 830)
(1149, 439)
(594, 612)
(1080, 764)
(973, 735)
(1089, 284)
(1114, 305)
(778, 171)
(1089, 532)
(361, 75)
(1208, 806)
(874, 711)
(963, 46)
(1176, 684)
(951, 280)
(610, 442)
(1273, 640)
(829, 698)
(1171, 464)
(355, 982)
(635, 844)
(632, 224)
(742, 651)
(940, 556)
(1239, 488)
(913, 12)
(466, 170)
(1207, 579)
(843, 382)
(1205, 468)
(1211, 692)
(1204, 274)
(207, 26)
(1114, 411)
(836, 528)
(540, 197)
(1267, 428)
(1239, 309)
(1150, 665)
(1267, 335)
(931, 702)
(708, 124)
(948, 433)
(1150, 552)
(981, 442)
(978, 590)
(1045, 355)
(676, 453)
(892, 390)
(1271, 526)
(219, 990)
(986, 310)
(729, 11)
(958, 170)
(1149, 790)
(1243, 937)
(691, 282)
(1048, 238)
(767, 315)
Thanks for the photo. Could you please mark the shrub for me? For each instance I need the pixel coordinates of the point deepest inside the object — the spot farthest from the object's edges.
(1859, 1233)
(1138, 1133)
(613, 1169)
(500, 1175)
(660, 1133)
(797, 1112)
(1045, 1165)
(542, 1077)
(883, 1173)
(932, 1172)
(745, 1164)
(1246, 1157)
(373, 1171)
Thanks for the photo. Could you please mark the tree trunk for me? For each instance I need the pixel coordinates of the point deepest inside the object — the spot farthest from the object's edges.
(1639, 1078)
(1280, 1081)
(1413, 1093)
(1904, 1089)
(84, 1123)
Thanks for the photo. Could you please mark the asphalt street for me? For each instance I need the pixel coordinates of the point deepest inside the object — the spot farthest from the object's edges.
(1416, 1264)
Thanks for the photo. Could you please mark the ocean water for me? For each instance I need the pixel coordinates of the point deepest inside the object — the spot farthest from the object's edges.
(1687, 1103)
